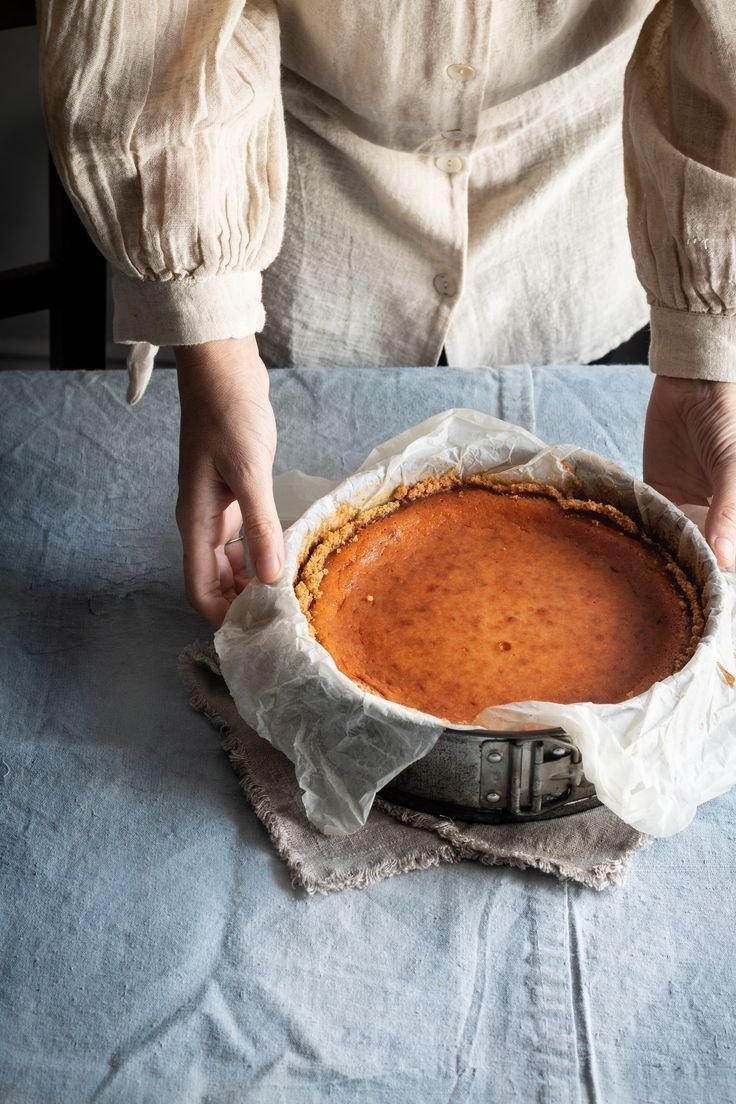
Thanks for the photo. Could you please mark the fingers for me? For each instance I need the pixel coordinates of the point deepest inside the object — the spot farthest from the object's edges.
(202, 573)
(720, 528)
(234, 550)
(261, 525)
(206, 522)
(213, 573)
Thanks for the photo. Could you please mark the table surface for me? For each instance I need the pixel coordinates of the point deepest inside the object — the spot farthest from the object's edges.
(152, 947)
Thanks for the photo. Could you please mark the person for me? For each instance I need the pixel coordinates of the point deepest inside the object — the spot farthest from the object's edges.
(393, 180)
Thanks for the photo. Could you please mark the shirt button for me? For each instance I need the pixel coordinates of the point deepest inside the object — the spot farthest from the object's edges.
(449, 163)
(445, 285)
(460, 71)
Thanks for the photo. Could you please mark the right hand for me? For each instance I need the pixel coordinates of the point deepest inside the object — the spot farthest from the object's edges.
(690, 453)
(226, 450)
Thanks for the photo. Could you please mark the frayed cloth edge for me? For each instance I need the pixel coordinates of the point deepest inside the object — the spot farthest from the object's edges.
(603, 876)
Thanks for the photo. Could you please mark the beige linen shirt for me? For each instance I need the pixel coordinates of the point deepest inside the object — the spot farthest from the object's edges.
(455, 174)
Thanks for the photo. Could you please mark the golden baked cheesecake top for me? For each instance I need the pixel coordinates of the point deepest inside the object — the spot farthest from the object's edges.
(456, 596)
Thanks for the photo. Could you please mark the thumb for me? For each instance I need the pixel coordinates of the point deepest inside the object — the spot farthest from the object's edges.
(720, 528)
(261, 526)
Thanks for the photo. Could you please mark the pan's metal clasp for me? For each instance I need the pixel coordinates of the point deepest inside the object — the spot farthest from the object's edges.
(529, 773)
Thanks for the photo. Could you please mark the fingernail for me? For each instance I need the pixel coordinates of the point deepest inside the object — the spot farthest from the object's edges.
(724, 550)
(268, 568)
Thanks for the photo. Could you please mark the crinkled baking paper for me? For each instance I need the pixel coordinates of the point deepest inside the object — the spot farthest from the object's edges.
(653, 759)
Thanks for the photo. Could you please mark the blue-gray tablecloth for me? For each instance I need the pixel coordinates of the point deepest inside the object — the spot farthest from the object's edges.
(151, 946)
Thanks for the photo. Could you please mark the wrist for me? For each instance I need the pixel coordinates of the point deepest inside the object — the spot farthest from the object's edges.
(215, 355)
(220, 369)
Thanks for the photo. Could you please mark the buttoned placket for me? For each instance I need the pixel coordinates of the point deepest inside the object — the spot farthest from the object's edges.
(465, 82)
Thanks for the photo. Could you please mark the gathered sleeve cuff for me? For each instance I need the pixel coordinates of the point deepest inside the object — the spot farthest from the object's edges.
(693, 344)
(187, 312)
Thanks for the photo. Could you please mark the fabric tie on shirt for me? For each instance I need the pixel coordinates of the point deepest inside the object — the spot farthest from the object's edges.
(140, 363)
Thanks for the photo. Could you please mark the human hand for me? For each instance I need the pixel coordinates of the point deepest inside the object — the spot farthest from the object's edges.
(226, 449)
(690, 453)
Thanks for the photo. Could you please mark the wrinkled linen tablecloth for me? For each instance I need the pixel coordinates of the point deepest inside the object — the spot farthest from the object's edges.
(152, 946)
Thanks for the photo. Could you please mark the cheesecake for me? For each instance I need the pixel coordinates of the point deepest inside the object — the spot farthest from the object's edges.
(465, 593)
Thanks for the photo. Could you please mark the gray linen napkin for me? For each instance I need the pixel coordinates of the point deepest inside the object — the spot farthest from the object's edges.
(594, 848)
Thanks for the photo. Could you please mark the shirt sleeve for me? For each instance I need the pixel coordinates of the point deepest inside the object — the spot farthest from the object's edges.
(166, 125)
(680, 161)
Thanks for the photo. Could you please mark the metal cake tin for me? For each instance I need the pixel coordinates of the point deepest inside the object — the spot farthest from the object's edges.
(476, 774)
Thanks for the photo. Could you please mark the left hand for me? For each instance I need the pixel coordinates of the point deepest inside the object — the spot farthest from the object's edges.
(690, 453)
(227, 445)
